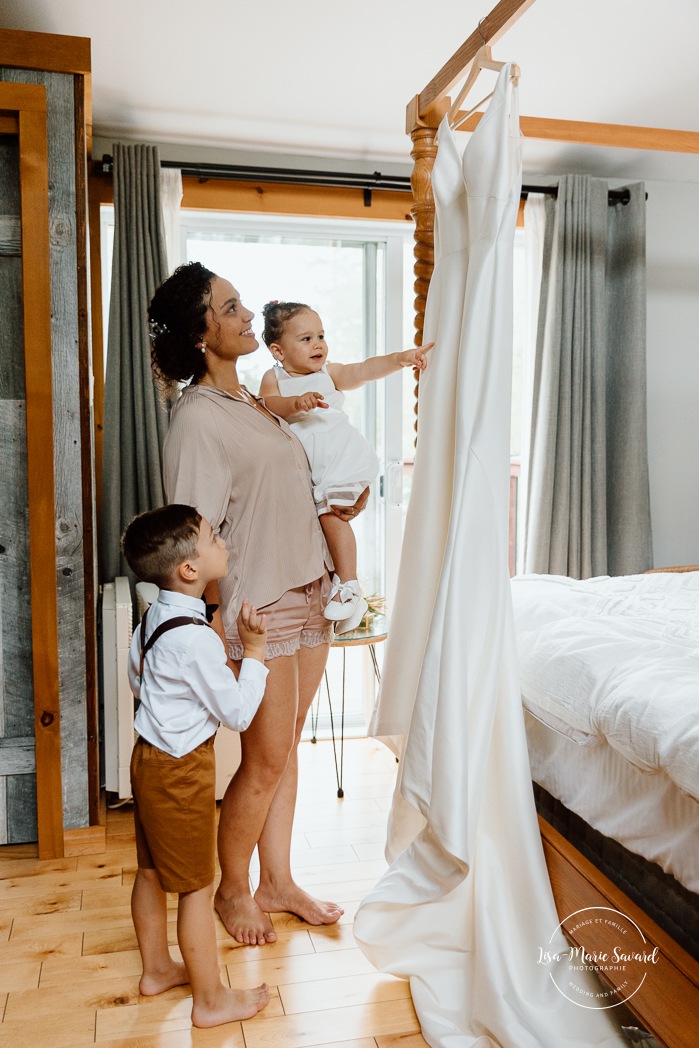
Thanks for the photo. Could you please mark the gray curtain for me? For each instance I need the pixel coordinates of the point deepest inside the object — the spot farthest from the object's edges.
(588, 504)
(135, 419)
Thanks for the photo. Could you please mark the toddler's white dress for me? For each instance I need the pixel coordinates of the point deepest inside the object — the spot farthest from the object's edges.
(343, 463)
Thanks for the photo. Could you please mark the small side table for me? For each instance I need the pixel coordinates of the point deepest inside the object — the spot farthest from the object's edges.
(373, 634)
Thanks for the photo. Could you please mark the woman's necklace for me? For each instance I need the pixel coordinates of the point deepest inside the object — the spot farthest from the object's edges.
(237, 392)
(246, 397)
(242, 394)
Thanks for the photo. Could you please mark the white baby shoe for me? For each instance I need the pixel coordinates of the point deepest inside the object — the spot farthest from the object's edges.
(353, 620)
(348, 611)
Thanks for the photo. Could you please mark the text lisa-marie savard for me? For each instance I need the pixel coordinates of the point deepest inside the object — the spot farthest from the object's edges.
(583, 956)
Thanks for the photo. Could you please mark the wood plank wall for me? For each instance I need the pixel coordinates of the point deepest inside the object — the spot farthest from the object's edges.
(18, 820)
(68, 307)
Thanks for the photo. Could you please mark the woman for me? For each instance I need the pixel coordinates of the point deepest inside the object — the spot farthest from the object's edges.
(246, 472)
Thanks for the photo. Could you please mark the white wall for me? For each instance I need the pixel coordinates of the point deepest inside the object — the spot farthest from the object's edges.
(673, 369)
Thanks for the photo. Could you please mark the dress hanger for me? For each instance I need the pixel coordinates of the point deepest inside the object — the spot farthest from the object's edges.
(483, 60)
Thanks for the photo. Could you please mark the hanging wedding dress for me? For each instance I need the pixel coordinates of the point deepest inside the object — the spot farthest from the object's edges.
(466, 903)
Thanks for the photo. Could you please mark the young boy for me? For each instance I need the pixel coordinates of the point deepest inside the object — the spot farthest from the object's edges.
(178, 670)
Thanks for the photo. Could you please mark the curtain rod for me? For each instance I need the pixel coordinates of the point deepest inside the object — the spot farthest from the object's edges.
(614, 196)
(287, 175)
(304, 177)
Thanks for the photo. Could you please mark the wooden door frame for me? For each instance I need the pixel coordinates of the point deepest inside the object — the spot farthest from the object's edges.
(23, 112)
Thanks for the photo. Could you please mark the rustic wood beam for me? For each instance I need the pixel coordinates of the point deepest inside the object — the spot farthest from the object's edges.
(22, 49)
(489, 30)
(615, 136)
(51, 53)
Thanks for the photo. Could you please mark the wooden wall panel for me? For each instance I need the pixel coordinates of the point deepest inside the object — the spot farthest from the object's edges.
(67, 435)
(12, 370)
(29, 101)
(16, 688)
(51, 300)
(61, 66)
(21, 801)
(87, 429)
(17, 691)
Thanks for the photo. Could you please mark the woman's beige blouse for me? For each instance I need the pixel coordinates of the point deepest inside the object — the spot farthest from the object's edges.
(249, 476)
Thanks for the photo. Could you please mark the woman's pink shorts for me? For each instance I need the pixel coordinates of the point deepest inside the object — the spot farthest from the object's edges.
(293, 621)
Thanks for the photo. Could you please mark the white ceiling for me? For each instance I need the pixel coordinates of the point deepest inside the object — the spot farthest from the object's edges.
(331, 79)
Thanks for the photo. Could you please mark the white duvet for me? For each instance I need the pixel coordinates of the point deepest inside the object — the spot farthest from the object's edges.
(616, 658)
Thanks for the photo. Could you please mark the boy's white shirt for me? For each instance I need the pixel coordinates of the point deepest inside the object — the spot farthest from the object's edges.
(187, 687)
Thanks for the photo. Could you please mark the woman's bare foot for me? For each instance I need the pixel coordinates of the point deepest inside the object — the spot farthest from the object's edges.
(231, 1006)
(292, 899)
(244, 920)
(157, 982)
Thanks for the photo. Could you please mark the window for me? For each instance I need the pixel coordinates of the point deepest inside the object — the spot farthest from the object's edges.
(343, 270)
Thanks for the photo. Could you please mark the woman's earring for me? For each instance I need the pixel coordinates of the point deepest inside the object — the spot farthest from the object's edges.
(202, 346)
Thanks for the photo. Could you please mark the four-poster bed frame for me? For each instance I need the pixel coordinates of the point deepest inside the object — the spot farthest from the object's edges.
(667, 1003)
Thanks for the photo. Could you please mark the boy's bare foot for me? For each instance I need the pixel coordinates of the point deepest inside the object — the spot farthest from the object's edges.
(231, 1006)
(244, 920)
(292, 899)
(157, 982)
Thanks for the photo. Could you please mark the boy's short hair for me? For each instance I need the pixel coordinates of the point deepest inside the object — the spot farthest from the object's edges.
(156, 542)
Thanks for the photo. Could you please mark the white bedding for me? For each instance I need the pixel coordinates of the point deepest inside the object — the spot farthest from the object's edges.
(616, 659)
(645, 813)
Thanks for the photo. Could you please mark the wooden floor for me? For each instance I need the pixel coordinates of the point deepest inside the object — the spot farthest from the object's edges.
(69, 966)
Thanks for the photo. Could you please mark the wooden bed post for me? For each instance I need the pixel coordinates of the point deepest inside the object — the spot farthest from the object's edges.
(423, 132)
(423, 153)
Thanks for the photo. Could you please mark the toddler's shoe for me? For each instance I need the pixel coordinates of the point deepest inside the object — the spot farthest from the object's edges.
(355, 617)
(347, 612)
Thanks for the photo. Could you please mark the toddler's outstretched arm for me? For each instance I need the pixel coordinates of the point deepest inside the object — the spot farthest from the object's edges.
(353, 376)
(414, 358)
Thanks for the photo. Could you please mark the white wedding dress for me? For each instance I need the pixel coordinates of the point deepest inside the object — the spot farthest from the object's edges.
(466, 903)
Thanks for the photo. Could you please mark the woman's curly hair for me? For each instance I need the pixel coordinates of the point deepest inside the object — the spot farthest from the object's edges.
(177, 319)
(276, 315)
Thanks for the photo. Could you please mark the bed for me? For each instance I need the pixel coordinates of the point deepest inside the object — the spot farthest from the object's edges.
(609, 672)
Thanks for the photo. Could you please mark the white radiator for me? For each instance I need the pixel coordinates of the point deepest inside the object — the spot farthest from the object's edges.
(119, 702)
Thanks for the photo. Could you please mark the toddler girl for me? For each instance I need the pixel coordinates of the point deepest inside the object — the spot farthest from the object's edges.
(308, 392)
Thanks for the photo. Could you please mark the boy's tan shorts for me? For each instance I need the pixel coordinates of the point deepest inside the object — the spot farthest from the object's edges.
(174, 807)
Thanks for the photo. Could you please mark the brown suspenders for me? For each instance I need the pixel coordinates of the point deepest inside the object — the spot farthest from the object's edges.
(169, 624)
